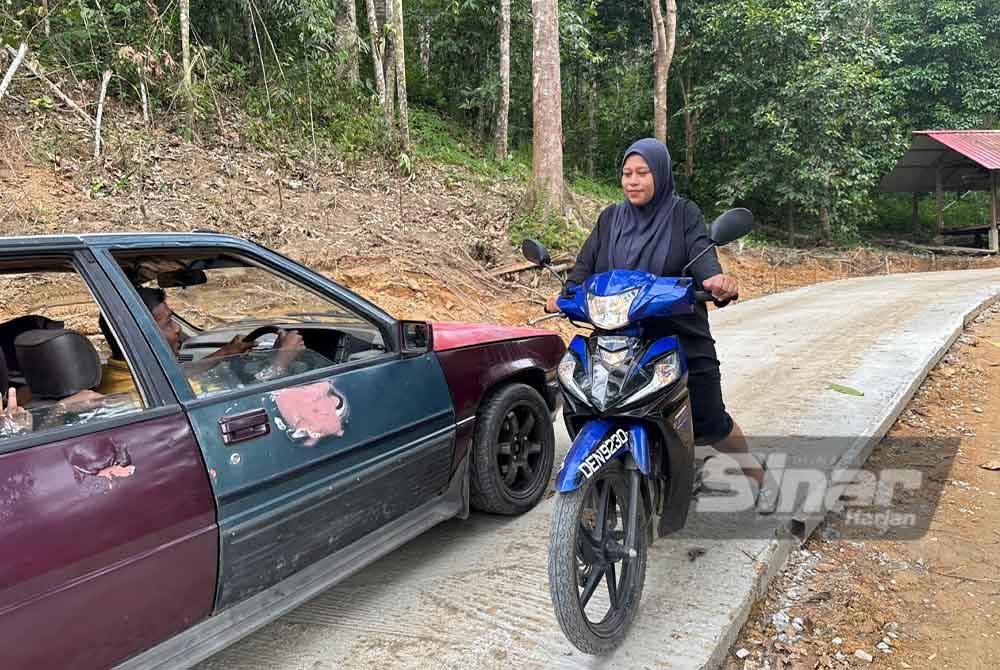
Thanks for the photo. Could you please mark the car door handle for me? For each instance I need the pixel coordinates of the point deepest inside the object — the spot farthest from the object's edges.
(244, 426)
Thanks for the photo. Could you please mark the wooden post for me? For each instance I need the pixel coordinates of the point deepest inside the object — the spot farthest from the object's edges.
(915, 220)
(940, 198)
(994, 213)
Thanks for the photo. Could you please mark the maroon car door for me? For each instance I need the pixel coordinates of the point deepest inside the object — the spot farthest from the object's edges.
(108, 535)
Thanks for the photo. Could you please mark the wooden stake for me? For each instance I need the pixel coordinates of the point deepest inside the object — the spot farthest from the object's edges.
(145, 97)
(994, 213)
(940, 198)
(100, 113)
(18, 57)
(36, 69)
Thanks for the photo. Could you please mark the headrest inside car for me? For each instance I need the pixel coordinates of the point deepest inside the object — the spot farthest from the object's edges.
(57, 363)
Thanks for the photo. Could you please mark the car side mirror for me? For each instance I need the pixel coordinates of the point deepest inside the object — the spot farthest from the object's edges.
(535, 252)
(415, 338)
(731, 225)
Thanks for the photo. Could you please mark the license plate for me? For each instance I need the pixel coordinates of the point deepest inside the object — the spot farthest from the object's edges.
(604, 452)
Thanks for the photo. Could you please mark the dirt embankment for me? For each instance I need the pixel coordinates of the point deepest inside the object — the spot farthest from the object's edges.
(424, 246)
(931, 601)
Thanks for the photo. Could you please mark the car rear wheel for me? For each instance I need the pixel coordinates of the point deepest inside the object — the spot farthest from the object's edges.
(512, 451)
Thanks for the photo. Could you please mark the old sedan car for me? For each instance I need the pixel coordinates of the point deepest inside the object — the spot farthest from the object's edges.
(202, 434)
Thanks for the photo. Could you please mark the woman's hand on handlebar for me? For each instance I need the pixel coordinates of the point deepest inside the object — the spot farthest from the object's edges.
(722, 287)
(550, 305)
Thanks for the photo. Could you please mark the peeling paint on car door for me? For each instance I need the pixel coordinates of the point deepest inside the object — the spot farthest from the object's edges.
(340, 456)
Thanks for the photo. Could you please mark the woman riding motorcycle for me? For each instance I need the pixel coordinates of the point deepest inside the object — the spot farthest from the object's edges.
(657, 231)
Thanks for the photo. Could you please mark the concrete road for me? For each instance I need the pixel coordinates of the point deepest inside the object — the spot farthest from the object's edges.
(474, 594)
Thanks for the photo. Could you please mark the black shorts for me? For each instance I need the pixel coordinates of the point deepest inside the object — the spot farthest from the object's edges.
(712, 422)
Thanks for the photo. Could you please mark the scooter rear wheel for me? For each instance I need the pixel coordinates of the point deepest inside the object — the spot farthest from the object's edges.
(595, 585)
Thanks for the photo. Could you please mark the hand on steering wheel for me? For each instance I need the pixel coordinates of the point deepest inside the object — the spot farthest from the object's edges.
(288, 343)
(234, 347)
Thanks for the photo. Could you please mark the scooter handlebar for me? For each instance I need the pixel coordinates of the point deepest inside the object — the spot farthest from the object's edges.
(705, 296)
(556, 315)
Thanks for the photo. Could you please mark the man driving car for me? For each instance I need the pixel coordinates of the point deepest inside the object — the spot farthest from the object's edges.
(117, 377)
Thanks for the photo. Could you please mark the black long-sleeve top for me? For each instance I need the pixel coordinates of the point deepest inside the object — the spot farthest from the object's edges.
(689, 238)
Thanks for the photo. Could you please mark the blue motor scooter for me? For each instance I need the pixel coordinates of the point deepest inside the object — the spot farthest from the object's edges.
(629, 474)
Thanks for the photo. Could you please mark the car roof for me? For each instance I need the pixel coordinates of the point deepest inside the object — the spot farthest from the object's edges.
(122, 240)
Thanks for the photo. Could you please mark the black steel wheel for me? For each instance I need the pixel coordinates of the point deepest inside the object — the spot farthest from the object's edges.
(512, 451)
(595, 583)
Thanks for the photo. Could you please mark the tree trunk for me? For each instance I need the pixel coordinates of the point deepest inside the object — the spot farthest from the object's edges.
(824, 213)
(185, 7)
(790, 221)
(45, 18)
(404, 121)
(547, 191)
(503, 114)
(593, 126)
(425, 46)
(375, 40)
(690, 124)
(664, 39)
(389, 63)
(346, 41)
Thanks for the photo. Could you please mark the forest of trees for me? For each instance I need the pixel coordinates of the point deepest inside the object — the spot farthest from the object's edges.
(794, 108)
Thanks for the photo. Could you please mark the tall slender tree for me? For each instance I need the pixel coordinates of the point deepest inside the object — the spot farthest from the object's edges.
(547, 190)
(185, 12)
(504, 111)
(346, 39)
(389, 62)
(664, 40)
(397, 35)
(375, 45)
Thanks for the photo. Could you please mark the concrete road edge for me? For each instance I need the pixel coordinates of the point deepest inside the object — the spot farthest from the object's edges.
(774, 557)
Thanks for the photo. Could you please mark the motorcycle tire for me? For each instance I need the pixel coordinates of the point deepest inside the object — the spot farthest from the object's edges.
(574, 557)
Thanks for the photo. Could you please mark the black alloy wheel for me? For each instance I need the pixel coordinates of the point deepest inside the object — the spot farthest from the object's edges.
(513, 451)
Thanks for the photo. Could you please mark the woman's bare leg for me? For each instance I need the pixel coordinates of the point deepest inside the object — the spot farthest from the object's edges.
(736, 447)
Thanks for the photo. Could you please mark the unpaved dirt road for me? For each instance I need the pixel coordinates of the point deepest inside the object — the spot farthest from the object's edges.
(473, 594)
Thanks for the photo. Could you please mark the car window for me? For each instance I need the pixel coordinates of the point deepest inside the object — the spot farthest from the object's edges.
(233, 323)
(56, 356)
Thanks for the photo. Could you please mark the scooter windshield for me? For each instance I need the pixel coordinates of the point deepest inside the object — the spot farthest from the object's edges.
(612, 300)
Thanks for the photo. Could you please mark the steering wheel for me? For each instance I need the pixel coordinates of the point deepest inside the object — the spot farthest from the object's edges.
(242, 365)
(256, 333)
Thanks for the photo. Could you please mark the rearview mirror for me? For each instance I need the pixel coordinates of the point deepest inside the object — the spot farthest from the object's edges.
(181, 278)
(731, 225)
(535, 252)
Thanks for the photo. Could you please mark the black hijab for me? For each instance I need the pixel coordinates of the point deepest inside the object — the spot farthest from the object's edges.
(640, 237)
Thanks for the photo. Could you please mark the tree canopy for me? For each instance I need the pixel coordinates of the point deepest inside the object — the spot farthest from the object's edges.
(794, 108)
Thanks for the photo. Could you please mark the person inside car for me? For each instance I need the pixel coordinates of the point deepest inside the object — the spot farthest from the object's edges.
(117, 377)
(14, 420)
(60, 369)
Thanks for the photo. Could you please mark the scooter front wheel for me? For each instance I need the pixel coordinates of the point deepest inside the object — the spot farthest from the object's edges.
(595, 581)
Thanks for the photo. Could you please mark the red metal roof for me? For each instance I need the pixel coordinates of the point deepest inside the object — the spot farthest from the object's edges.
(981, 146)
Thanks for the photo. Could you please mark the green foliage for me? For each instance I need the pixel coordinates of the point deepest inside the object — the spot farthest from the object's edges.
(894, 213)
(443, 141)
(553, 231)
(784, 106)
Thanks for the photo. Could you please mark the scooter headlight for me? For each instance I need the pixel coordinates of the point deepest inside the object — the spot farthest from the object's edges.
(570, 376)
(610, 312)
(665, 372)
